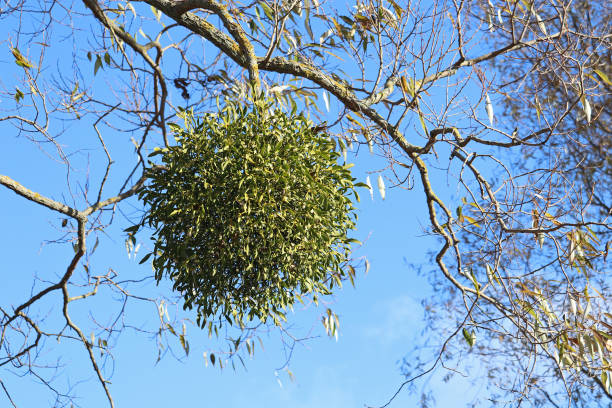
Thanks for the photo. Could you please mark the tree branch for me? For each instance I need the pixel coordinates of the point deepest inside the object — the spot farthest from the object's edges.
(39, 199)
(234, 29)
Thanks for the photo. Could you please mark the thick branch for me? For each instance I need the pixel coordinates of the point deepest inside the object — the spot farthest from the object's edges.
(234, 29)
(39, 199)
(282, 65)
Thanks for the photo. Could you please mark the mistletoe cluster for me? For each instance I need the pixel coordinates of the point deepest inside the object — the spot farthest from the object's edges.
(251, 210)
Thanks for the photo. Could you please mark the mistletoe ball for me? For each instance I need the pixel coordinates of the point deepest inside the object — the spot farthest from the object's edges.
(251, 210)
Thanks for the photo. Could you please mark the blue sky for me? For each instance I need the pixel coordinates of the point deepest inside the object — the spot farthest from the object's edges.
(380, 319)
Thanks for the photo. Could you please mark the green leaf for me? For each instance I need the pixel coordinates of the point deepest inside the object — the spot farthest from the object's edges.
(307, 20)
(18, 94)
(605, 380)
(398, 10)
(97, 64)
(20, 59)
(472, 221)
(492, 275)
(157, 13)
(145, 258)
(267, 10)
(474, 280)
(132, 229)
(423, 125)
(184, 344)
(459, 212)
(470, 337)
(603, 76)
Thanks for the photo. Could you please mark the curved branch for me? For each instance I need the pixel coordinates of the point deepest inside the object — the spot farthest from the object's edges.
(283, 66)
(113, 200)
(39, 199)
(234, 28)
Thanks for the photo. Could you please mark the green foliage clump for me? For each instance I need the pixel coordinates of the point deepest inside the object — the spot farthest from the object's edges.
(251, 211)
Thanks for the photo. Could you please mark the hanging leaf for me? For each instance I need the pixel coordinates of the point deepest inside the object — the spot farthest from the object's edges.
(184, 344)
(20, 59)
(381, 187)
(490, 12)
(474, 280)
(326, 100)
(406, 86)
(423, 125)
(369, 184)
(573, 306)
(144, 259)
(459, 212)
(491, 275)
(267, 10)
(470, 337)
(331, 322)
(307, 20)
(157, 13)
(97, 64)
(325, 35)
(18, 94)
(489, 108)
(603, 76)
(586, 106)
(572, 251)
(541, 24)
(606, 381)
(291, 41)
(131, 7)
